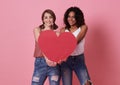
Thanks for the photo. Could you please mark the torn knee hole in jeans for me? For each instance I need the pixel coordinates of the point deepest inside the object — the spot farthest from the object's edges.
(54, 78)
(88, 82)
(35, 79)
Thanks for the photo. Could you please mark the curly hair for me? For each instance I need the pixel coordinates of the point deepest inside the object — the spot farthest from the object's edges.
(79, 17)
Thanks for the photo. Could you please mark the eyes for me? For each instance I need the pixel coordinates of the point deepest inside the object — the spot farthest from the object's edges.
(47, 16)
(71, 16)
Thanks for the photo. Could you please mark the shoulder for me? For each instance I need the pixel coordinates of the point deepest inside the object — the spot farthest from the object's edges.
(85, 27)
(62, 29)
(36, 29)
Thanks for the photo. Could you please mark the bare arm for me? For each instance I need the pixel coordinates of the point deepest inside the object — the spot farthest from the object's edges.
(36, 32)
(82, 33)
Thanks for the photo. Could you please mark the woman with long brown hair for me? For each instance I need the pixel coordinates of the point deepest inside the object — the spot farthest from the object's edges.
(44, 67)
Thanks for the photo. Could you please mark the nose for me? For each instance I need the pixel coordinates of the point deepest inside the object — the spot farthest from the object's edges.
(70, 18)
(48, 20)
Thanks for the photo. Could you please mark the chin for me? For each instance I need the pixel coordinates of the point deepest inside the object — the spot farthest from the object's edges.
(72, 24)
(49, 25)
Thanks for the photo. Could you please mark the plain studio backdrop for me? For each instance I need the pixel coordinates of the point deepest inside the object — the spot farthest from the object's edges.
(102, 47)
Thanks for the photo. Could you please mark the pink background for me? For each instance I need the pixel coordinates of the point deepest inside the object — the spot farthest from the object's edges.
(102, 48)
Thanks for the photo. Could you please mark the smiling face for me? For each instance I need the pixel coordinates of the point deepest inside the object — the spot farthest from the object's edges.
(48, 19)
(71, 18)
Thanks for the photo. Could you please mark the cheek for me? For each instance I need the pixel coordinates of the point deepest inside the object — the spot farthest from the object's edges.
(68, 19)
(73, 20)
(44, 20)
(51, 20)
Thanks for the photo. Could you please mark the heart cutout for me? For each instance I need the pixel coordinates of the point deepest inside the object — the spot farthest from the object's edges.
(56, 47)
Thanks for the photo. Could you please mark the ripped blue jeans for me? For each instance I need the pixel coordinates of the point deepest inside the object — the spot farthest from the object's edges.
(76, 64)
(42, 71)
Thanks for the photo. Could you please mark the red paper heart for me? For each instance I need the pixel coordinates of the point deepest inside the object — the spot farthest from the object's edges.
(56, 47)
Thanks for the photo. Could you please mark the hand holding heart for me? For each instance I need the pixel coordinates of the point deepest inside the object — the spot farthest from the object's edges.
(55, 47)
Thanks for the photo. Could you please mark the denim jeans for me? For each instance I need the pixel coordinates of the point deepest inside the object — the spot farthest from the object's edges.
(76, 64)
(42, 71)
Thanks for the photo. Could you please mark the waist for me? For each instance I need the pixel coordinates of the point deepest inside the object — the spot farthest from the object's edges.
(39, 56)
(37, 52)
(76, 56)
(78, 50)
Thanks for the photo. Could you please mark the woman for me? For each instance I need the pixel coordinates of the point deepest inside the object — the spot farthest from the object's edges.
(43, 66)
(74, 21)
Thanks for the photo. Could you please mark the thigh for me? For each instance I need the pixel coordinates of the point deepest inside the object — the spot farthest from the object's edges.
(39, 75)
(81, 70)
(66, 74)
(54, 80)
(54, 75)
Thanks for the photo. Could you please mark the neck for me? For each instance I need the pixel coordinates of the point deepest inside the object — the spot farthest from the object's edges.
(73, 28)
(48, 28)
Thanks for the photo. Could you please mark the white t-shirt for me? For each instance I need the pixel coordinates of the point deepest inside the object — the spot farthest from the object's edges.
(80, 46)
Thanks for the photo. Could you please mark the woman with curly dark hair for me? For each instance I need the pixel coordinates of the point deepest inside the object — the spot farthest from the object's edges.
(75, 23)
